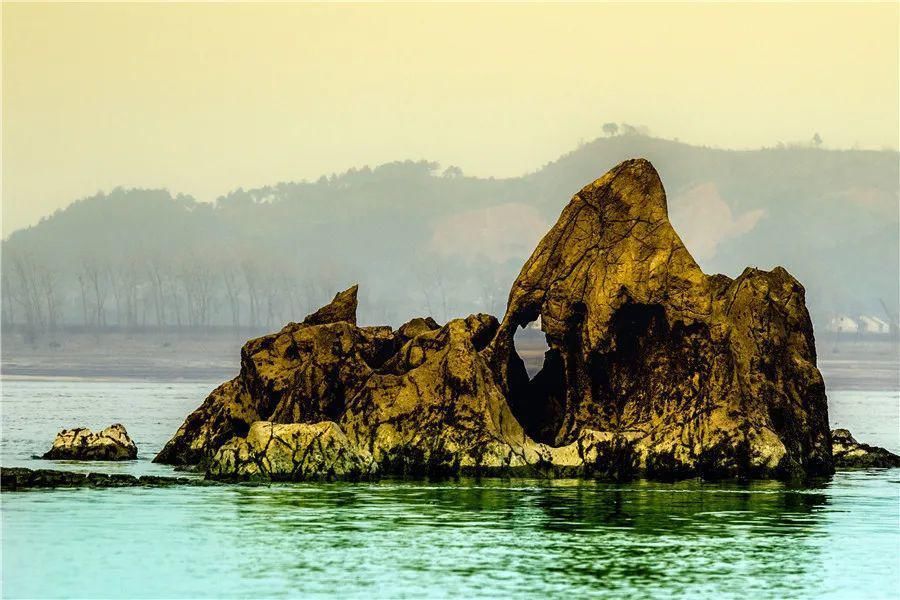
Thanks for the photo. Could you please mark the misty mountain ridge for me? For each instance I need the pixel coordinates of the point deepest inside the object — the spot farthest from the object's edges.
(424, 240)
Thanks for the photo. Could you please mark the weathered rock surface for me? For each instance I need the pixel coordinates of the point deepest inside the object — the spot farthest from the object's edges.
(111, 443)
(848, 453)
(292, 451)
(696, 374)
(654, 368)
(303, 374)
(19, 478)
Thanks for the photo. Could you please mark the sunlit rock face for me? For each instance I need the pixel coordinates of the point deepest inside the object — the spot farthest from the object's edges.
(291, 452)
(653, 369)
(326, 399)
(112, 443)
(693, 374)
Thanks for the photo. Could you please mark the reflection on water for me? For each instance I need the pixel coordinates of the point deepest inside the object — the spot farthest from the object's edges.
(469, 538)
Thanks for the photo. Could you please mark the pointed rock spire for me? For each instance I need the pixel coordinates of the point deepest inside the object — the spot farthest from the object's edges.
(342, 308)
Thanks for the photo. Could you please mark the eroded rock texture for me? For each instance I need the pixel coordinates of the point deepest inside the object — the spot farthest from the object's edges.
(111, 443)
(696, 374)
(654, 368)
(292, 451)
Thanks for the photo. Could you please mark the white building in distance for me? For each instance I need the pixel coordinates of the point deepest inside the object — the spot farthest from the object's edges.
(869, 324)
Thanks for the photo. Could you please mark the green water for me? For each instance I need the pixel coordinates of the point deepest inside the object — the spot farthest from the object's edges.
(538, 539)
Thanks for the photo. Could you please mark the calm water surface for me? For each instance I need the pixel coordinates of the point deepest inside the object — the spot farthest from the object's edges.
(470, 538)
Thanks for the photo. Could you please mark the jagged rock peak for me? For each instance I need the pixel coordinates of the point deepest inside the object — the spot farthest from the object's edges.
(634, 184)
(342, 308)
(612, 243)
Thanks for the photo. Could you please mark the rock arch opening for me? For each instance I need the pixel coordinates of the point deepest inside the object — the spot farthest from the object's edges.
(537, 386)
(530, 344)
(605, 389)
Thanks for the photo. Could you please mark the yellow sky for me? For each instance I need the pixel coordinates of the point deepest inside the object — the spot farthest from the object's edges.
(203, 98)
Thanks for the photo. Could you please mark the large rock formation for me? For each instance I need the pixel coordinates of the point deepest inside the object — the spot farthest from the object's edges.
(80, 443)
(654, 368)
(696, 374)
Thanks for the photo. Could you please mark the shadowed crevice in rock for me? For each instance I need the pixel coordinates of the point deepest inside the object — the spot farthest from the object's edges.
(539, 404)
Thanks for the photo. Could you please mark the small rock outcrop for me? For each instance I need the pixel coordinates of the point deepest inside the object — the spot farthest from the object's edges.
(112, 443)
(850, 454)
(654, 369)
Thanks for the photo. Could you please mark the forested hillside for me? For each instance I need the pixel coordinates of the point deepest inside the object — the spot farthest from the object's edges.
(422, 239)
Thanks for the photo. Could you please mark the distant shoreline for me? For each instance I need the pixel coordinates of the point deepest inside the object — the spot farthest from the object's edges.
(847, 363)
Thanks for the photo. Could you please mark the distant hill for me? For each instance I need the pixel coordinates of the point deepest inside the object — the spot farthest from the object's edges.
(421, 239)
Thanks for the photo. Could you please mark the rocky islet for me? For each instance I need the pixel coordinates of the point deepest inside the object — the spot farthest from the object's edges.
(654, 369)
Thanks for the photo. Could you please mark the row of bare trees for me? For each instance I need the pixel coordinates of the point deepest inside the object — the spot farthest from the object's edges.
(30, 294)
(197, 292)
(153, 292)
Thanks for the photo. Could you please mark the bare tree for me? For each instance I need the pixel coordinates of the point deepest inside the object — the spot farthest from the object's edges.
(433, 285)
(47, 282)
(96, 277)
(197, 281)
(26, 291)
(272, 295)
(115, 285)
(231, 279)
(251, 280)
(156, 273)
(6, 299)
(490, 287)
(83, 289)
(129, 273)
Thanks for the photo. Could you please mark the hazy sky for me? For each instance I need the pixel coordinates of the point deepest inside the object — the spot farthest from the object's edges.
(205, 98)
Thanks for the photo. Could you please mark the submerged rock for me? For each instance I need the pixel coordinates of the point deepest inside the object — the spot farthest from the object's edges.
(112, 443)
(848, 453)
(19, 478)
(654, 368)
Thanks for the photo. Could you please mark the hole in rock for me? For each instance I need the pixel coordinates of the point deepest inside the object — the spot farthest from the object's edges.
(531, 345)
(635, 367)
(538, 393)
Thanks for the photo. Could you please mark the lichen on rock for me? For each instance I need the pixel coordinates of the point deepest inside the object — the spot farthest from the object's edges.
(81, 443)
(654, 368)
(292, 451)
